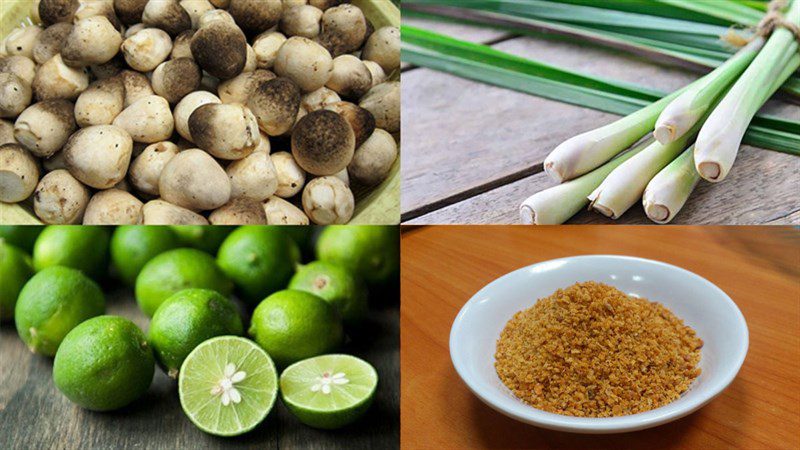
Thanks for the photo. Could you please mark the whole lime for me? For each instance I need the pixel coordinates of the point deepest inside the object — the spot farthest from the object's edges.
(260, 260)
(202, 237)
(185, 320)
(132, 246)
(15, 270)
(104, 364)
(20, 236)
(84, 248)
(294, 325)
(176, 270)
(371, 252)
(52, 303)
(336, 285)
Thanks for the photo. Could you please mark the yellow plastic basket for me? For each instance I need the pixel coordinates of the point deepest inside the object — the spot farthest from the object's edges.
(375, 205)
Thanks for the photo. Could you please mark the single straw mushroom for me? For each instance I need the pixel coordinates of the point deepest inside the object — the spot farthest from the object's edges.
(295, 57)
(291, 177)
(240, 88)
(113, 207)
(256, 16)
(147, 120)
(344, 29)
(130, 12)
(19, 173)
(51, 41)
(350, 77)
(361, 121)
(93, 40)
(275, 104)
(281, 212)
(21, 66)
(302, 20)
(374, 159)
(378, 75)
(21, 40)
(44, 127)
(319, 99)
(159, 212)
(383, 101)
(323, 143)
(167, 15)
(98, 156)
(185, 108)
(182, 45)
(220, 48)
(383, 47)
(266, 47)
(327, 200)
(104, 8)
(239, 211)
(137, 86)
(193, 180)
(146, 168)
(146, 49)
(54, 79)
(214, 16)
(253, 177)
(54, 11)
(196, 9)
(225, 131)
(176, 78)
(60, 198)
(101, 103)
(15, 95)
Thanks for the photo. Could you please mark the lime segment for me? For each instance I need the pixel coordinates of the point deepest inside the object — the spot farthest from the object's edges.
(227, 385)
(329, 391)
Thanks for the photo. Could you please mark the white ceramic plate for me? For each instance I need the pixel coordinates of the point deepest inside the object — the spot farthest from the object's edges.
(700, 304)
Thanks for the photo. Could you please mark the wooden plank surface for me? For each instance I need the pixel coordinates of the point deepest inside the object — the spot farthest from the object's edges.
(34, 415)
(759, 267)
(464, 138)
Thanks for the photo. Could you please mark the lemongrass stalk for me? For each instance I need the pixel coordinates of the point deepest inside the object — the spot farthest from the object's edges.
(720, 138)
(668, 191)
(555, 205)
(686, 110)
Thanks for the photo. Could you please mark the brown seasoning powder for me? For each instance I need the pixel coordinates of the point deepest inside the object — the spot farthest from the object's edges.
(591, 351)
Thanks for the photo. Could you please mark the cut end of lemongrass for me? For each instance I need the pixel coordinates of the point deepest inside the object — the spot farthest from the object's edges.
(710, 171)
(603, 210)
(657, 213)
(664, 134)
(527, 215)
(552, 170)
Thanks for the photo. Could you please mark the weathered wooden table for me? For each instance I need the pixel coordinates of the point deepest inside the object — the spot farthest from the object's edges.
(759, 267)
(474, 152)
(34, 415)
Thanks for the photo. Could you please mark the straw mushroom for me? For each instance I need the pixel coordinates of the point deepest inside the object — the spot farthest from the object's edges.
(327, 200)
(130, 11)
(220, 48)
(266, 47)
(182, 45)
(253, 177)
(281, 212)
(350, 77)
(51, 41)
(54, 79)
(344, 29)
(146, 169)
(54, 11)
(305, 62)
(319, 99)
(109, 69)
(99, 155)
(383, 47)
(239, 211)
(103, 8)
(93, 40)
(256, 16)
(185, 108)
(19, 173)
(373, 160)
(323, 143)
(375, 69)
(60, 198)
(167, 15)
(176, 78)
(291, 177)
(214, 16)
(21, 66)
(275, 104)
(147, 120)
(196, 9)
(193, 180)
(137, 86)
(361, 121)
(7, 133)
(21, 40)
(101, 103)
(159, 212)
(303, 20)
(227, 131)
(15, 95)
(113, 207)
(146, 49)
(383, 101)
(44, 127)
(325, 4)
(240, 88)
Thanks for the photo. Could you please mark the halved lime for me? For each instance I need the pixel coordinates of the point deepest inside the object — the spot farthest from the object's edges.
(227, 385)
(329, 391)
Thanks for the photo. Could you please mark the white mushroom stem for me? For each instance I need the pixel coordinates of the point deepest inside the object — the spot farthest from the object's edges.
(668, 191)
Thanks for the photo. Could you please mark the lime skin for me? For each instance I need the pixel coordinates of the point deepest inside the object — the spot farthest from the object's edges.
(176, 270)
(132, 246)
(15, 270)
(295, 325)
(20, 236)
(369, 251)
(52, 303)
(185, 320)
(104, 364)
(202, 237)
(81, 247)
(336, 285)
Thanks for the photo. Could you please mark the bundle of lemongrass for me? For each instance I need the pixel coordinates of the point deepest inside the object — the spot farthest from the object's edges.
(691, 134)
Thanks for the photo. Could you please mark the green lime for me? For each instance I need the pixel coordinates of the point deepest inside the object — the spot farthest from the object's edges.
(132, 246)
(15, 270)
(185, 320)
(294, 325)
(202, 237)
(259, 259)
(84, 248)
(53, 302)
(227, 385)
(104, 364)
(336, 285)
(176, 270)
(371, 252)
(329, 391)
(20, 236)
